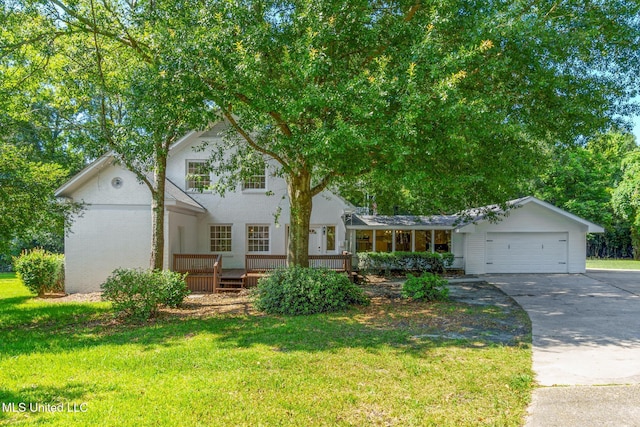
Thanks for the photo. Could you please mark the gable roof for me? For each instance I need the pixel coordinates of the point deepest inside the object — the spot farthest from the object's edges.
(461, 220)
(79, 179)
(174, 197)
(491, 212)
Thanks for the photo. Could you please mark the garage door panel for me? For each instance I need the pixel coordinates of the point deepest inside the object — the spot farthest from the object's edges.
(526, 253)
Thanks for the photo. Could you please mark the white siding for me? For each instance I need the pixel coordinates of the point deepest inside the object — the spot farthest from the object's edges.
(254, 207)
(113, 231)
(530, 218)
(474, 253)
(104, 238)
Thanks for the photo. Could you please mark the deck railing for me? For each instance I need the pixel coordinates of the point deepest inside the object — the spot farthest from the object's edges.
(204, 270)
(257, 265)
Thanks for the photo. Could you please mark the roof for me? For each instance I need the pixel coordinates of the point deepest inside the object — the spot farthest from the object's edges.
(401, 221)
(493, 212)
(460, 220)
(175, 197)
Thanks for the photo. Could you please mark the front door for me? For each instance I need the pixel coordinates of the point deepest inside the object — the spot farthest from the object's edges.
(316, 241)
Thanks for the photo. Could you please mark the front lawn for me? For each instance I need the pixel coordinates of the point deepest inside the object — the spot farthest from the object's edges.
(614, 264)
(368, 366)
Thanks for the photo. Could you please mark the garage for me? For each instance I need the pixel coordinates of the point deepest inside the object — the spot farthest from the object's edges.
(527, 252)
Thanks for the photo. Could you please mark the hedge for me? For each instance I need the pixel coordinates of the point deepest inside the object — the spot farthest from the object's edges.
(385, 262)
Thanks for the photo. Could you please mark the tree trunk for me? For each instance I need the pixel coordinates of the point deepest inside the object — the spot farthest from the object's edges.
(157, 214)
(300, 197)
(635, 242)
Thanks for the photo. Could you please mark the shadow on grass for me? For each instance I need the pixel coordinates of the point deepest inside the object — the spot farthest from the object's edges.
(20, 312)
(64, 327)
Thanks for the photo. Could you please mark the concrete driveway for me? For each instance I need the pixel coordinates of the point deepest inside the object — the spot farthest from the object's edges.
(586, 327)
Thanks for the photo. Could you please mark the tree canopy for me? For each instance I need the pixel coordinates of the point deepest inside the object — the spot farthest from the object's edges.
(455, 102)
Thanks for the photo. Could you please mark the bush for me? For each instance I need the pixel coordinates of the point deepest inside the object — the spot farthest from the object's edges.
(40, 271)
(298, 290)
(138, 293)
(427, 287)
(385, 262)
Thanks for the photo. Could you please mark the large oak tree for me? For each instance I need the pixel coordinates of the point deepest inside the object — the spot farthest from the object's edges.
(452, 101)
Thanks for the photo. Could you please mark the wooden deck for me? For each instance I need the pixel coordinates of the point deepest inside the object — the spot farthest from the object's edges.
(206, 274)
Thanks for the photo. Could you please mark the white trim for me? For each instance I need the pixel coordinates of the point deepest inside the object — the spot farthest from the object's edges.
(230, 238)
(269, 239)
(85, 174)
(187, 188)
(591, 227)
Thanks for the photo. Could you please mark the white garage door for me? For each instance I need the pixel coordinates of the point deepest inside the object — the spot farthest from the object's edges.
(526, 253)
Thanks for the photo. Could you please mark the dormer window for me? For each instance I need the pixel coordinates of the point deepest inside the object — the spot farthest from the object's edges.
(198, 176)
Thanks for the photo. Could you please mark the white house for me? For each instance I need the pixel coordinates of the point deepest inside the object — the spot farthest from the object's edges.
(533, 237)
(114, 230)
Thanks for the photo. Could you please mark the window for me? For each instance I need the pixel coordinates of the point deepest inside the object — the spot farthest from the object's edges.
(256, 182)
(220, 238)
(364, 240)
(384, 241)
(423, 240)
(331, 237)
(258, 238)
(442, 241)
(198, 177)
(403, 241)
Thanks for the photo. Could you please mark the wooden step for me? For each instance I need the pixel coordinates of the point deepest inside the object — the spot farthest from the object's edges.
(230, 284)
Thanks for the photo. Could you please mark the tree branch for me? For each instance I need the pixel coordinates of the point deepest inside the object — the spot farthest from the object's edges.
(253, 144)
(92, 27)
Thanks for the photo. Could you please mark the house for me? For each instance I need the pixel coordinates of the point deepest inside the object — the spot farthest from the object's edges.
(531, 237)
(114, 229)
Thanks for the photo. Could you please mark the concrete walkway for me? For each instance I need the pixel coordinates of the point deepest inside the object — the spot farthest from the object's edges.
(586, 333)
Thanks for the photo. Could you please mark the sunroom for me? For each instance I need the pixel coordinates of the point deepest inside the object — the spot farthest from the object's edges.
(405, 233)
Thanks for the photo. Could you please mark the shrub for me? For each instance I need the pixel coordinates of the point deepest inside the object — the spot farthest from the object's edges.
(385, 262)
(298, 290)
(138, 293)
(427, 287)
(40, 270)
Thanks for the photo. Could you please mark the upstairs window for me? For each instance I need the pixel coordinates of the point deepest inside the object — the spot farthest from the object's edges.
(257, 181)
(198, 176)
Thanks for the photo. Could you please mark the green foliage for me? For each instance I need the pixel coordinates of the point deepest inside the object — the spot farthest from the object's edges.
(581, 180)
(307, 367)
(297, 290)
(40, 270)
(427, 287)
(464, 88)
(27, 204)
(626, 197)
(379, 262)
(139, 294)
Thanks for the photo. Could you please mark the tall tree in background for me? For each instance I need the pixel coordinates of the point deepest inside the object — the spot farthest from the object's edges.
(453, 101)
(101, 59)
(38, 144)
(626, 197)
(581, 180)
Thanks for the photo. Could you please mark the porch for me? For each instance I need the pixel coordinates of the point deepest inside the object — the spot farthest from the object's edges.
(206, 274)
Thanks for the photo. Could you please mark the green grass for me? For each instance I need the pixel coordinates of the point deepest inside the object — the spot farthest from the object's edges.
(360, 367)
(616, 264)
